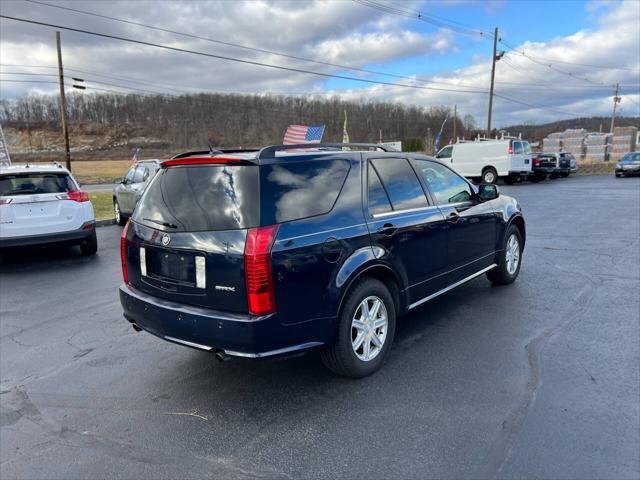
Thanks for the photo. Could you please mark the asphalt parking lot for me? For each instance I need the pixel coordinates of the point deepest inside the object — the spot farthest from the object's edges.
(538, 379)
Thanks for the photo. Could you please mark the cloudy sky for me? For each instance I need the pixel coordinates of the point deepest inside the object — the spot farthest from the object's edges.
(562, 58)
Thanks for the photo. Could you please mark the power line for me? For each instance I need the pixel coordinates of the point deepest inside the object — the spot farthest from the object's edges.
(543, 59)
(548, 65)
(235, 45)
(417, 15)
(234, 59)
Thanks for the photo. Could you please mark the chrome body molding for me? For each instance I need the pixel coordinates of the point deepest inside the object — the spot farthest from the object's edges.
(272, 353)
(452, 286)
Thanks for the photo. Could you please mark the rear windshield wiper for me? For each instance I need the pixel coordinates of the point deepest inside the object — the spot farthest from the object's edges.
(158, 222)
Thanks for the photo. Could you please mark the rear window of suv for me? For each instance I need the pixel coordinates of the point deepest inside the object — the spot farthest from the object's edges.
(35, 183)
(229, 197)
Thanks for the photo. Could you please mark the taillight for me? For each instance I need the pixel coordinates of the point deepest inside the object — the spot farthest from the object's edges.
(123, 252)
(536, 162)
(5, 201)
(510, 150)
(76, 196)
(257, 267)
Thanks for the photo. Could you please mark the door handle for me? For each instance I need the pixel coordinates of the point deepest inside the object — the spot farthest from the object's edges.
(387, 229)
(453, 217)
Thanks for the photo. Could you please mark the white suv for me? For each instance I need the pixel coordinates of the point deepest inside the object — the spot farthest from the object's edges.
(43, 204)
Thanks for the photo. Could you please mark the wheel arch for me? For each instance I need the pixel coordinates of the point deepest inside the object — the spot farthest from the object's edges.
(382, 273)
(518, 221)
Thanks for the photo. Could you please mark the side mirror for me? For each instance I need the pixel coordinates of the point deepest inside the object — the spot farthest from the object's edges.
(488, 192)
(118, 180)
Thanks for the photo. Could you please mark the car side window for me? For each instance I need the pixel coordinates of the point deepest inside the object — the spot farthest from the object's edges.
(445, 152)
(446, 185)
(138, 176)
(378, 199)
(400, 183)
(128, 178)
(517, 147)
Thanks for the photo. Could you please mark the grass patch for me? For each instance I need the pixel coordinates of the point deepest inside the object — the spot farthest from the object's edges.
(99, 171)
(102, 205)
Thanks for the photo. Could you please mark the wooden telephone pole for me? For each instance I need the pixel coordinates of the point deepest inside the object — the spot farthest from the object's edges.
(455, 121)
(493, 76)
(63, 105)
(616, 101)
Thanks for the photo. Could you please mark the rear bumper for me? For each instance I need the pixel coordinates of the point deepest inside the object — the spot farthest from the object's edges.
(544, 170)
(70, 237)
(518, 173)
(235, 334)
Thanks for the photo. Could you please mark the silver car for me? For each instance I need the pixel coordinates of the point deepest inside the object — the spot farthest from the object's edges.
(129, 189)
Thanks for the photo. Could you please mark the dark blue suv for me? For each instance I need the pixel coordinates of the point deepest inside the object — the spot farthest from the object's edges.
(298, 247)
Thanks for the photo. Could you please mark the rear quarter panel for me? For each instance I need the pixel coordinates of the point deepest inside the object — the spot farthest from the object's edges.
(309, 254)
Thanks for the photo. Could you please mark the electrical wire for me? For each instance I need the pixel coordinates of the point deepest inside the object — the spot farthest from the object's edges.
(254, 49)
(234, 59)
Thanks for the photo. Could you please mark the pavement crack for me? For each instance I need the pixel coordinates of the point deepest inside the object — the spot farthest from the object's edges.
(502, 448)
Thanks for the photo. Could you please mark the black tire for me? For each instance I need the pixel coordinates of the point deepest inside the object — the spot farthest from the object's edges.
(341, 358)
(554, 176)
(501, 274)
(536, 178)
(565, 174)
(489, 176)
(117, 213)
(89, 246)
(619, 175)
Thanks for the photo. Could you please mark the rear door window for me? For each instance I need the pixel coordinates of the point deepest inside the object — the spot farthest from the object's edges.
(400, 183)
(201, 198)
(378, 199)
(141, 174)
(35, 183)
(517, 147)
(291, 191)
(526, 147)
(446, 185)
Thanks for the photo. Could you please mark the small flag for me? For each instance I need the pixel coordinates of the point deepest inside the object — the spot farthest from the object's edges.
(297, 134)
(136, 155)
(439, 135)
(345, 135)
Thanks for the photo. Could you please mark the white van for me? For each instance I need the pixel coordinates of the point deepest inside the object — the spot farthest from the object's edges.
(489, 160)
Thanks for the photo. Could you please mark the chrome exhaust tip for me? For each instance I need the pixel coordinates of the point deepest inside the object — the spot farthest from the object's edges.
(222, 357)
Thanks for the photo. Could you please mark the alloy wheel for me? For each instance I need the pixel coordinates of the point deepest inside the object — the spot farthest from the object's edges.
(369, 328)
(512, 254)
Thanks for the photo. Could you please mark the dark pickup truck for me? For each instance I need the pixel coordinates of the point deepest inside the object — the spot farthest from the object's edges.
(552, 165)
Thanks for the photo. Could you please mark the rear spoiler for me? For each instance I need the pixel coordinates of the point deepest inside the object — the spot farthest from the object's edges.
(201, 153)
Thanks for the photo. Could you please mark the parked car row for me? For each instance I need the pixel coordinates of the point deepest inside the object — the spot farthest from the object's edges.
(509, 159)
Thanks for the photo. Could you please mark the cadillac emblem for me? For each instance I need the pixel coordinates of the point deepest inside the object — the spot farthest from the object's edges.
(165, 239)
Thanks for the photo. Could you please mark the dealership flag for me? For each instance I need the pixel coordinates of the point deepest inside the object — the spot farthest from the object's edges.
(297, 134)
(136, 155)
(345, 135)
(437, 142)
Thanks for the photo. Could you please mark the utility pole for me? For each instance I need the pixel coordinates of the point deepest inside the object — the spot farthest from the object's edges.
(493, 76)
(455, 120)
(63, 105)
(616, 101)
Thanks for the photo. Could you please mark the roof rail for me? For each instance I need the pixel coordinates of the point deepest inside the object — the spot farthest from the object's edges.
(270, 151)
(214, 152)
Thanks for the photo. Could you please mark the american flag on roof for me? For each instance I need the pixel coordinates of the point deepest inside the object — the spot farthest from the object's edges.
(296, 134)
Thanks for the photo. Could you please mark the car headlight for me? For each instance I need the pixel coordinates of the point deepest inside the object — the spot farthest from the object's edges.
(618, 165)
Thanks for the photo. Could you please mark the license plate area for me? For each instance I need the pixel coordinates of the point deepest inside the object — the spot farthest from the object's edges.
(178, 268)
